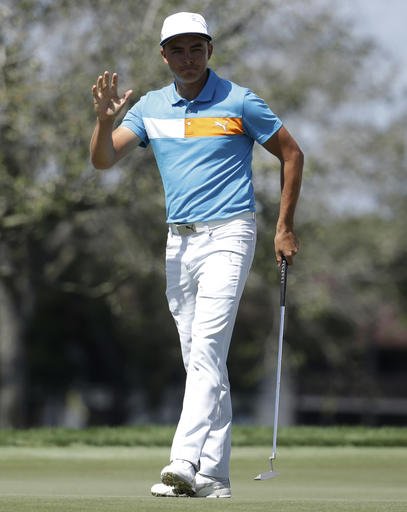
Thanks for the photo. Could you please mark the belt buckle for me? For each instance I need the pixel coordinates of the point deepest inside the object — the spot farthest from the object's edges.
(185, 229)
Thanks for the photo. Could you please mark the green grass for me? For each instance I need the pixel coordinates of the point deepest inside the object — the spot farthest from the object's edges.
(322, 469)
(81, 478)
(152, 435)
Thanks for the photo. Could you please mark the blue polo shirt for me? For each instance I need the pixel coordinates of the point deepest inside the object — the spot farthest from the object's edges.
(203, 147)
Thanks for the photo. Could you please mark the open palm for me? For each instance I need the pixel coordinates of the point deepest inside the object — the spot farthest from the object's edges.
(106, 100)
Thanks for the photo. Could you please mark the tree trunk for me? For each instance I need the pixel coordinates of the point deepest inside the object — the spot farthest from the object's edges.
(12, 374)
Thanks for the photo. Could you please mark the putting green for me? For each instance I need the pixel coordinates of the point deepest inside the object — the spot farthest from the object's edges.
(94, 479)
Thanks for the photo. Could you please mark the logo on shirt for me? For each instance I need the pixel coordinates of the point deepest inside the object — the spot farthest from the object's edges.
(223, 125)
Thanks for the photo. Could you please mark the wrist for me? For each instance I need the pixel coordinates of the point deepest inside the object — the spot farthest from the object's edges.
(105, 121)
(284, 227)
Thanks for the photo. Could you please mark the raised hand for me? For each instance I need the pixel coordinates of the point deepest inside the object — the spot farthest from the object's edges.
(106, 100)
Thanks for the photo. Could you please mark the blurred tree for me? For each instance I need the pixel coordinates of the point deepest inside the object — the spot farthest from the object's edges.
(351, 300)
(57, 215)
(81, 252)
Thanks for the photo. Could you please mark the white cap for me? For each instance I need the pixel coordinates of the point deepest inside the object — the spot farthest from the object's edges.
(184, 23)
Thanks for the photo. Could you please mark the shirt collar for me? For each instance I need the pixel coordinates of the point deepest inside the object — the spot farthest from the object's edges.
(205, 95)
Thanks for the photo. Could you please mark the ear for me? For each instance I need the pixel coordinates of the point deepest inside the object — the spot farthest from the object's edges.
(162, 51)
(210, 50)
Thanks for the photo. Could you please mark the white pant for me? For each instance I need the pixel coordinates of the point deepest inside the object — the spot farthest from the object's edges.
(206, 274)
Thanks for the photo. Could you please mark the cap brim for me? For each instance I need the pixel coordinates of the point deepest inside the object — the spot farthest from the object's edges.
(204, 36)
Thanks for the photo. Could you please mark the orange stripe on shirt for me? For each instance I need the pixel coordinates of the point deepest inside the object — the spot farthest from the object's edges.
(213, 126)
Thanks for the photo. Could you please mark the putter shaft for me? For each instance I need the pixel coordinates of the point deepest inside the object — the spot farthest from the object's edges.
(283, 285)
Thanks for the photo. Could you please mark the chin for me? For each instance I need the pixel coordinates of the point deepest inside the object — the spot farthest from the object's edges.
(190, 77)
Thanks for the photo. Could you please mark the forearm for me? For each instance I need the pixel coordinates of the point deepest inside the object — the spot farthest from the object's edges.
(102, 152)
(291, 174)
(284, 147)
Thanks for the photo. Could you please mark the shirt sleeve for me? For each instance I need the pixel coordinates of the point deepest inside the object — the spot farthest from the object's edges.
(259, 120)
(134, 121)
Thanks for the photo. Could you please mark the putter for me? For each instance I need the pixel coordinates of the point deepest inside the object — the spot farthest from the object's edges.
(283, 286)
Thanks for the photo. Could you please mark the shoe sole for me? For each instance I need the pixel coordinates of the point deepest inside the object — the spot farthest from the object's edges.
(164, 495)
(220, 493)
(181, 486)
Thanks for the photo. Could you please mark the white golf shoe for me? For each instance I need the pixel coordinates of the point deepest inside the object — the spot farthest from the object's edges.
(166, 491)
(180, 475)
(210, 487)
(206, 487)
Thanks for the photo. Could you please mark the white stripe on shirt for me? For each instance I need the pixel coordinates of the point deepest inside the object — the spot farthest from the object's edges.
(164, 128)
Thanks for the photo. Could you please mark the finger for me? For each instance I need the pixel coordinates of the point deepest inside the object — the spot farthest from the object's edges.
(127, 94)
(99, 83)
(95, 92)
(122, 101)
(289, 259)
(105, 80)
(115, 83)
(289, 255)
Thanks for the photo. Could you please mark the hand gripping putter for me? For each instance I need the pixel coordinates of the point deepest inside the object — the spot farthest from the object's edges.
(283, 286)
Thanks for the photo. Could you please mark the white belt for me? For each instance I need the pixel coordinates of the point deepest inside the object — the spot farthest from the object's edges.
(198, 227)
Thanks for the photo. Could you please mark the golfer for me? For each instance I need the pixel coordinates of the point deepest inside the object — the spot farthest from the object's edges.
(202, 129)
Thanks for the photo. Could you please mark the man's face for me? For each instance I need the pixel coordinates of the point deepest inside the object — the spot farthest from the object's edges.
(187, 56)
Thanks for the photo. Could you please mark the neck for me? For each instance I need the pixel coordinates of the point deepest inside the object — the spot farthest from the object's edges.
(190, 91)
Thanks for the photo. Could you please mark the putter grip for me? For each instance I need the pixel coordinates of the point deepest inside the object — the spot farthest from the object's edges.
(283, 280)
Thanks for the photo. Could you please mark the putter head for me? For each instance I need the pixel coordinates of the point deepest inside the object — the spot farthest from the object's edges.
(268, 474)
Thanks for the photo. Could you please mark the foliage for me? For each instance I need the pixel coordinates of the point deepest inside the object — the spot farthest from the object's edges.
(159, 435)
(81, 252)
